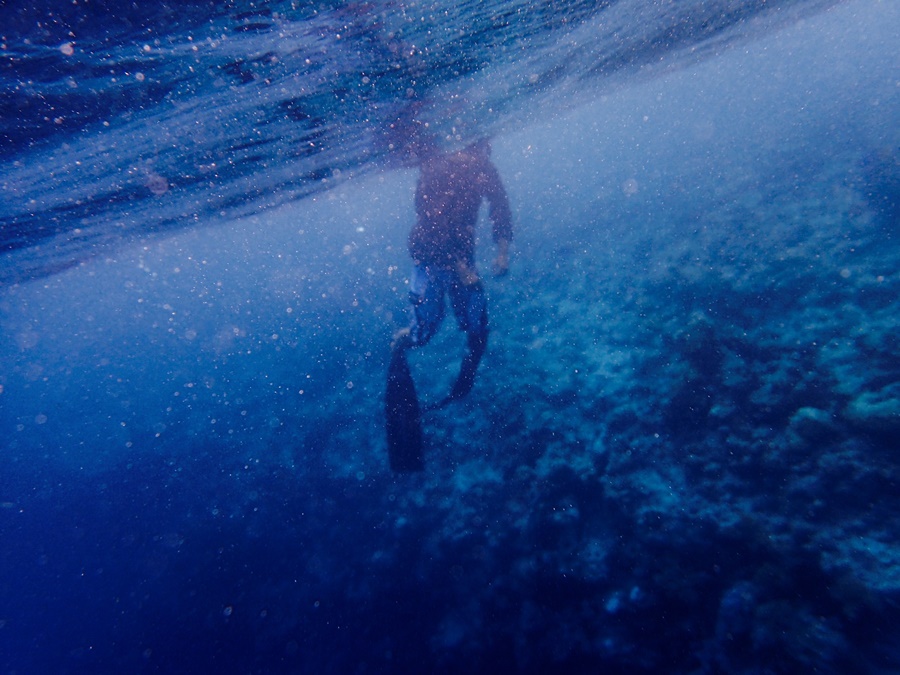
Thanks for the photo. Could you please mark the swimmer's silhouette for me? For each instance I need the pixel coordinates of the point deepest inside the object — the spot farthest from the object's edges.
(449, 194)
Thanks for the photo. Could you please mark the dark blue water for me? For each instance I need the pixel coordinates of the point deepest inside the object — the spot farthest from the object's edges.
(680, 455)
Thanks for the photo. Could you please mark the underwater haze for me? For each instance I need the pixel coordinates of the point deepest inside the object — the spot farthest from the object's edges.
(682, 450)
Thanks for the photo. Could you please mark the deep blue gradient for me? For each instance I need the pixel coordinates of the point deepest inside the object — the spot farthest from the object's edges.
(680, 454)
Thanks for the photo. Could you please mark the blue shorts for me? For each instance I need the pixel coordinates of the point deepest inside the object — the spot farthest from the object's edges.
(427, 288)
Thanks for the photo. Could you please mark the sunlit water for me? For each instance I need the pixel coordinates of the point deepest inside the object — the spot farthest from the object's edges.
(119, 126)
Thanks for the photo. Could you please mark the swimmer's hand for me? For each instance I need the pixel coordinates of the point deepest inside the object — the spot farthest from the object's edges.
(467, 275)
(501, 262)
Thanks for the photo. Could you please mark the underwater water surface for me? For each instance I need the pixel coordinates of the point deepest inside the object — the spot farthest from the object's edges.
(681, 451)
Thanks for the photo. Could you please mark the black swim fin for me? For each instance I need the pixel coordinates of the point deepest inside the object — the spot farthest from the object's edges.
(466, 378)
(403, 416)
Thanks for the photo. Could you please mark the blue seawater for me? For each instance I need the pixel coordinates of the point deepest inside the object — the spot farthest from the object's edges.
(681, 451)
